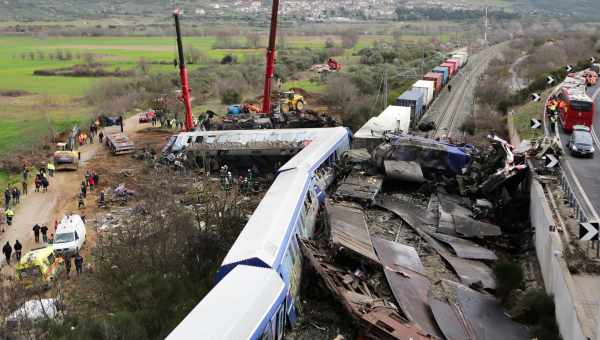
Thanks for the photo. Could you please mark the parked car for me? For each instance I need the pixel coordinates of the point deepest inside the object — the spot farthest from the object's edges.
(38, 268)
(147, 116)
(581, 143)
(70, 236)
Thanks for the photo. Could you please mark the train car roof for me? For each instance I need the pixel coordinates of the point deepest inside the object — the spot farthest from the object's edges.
(235, 308)
(391, 119)
(271, 223)
(315, 153)
(247, 136)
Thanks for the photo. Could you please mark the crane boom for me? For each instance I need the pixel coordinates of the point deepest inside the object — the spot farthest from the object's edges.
(266, 107)
(185, 86)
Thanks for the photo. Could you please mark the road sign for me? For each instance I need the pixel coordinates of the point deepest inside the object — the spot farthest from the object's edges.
(550, 80)
(588, 231)
(535, 124)
(551, 161)
(535, 97)
(592, 60)
(569, 68)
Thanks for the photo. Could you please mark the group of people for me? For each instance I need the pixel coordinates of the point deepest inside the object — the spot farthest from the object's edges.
(7, 250)
(77, 259)
(89, 182)
(246, 183)
(43, 229)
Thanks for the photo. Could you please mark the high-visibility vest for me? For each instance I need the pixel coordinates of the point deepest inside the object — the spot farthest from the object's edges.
(9, 213)
(50, 166)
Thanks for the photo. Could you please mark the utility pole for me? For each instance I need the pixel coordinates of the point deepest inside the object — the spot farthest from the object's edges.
(486, 25)
(386, 91)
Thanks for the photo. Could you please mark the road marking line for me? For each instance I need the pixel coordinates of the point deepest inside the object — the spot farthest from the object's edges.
(580, 188)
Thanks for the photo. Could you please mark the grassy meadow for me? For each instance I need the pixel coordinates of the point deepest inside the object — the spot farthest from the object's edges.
(55, 103)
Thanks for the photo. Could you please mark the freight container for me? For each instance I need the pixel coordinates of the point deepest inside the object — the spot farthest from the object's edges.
(461, 59)
(456, 62)
(464, 55)
(428, 88)
(438, 78)
(444, 71)
(414, 100)
(451, 69)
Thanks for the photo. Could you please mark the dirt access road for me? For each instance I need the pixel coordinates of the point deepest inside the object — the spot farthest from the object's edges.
(61, 198)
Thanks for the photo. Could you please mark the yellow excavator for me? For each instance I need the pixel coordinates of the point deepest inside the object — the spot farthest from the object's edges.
(66, 156)
(291, 101)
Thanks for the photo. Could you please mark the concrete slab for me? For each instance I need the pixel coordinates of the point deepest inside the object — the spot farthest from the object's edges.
(587, 302)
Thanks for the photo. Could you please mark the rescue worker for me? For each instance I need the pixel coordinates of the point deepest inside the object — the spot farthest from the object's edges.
(9, 215)
(91, 183)
(7, 196)
(81, 203)
(24, 187)
(449, 88)
(68, 265)
(101, 136)
(18, 247)
(7, 250)
(83, 189)
(101, 200)
(553, 123)
(36, 232)
(51, 169)
(79, 263)
(44, 231)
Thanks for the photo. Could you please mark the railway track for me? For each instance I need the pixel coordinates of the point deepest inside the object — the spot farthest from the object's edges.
(447, 119)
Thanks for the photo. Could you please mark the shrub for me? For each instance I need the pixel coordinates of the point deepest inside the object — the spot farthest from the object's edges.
(231, 96)
(509, 276)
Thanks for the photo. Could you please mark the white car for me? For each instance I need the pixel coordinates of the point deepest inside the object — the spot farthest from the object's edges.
(70, 236)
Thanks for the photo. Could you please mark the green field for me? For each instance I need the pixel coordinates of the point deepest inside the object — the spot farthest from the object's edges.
(55, 102)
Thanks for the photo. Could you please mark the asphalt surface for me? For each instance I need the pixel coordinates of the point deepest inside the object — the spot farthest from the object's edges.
(584, 173)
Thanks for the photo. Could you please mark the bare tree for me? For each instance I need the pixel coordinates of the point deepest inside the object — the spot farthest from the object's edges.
(253, 40)
(349, 39)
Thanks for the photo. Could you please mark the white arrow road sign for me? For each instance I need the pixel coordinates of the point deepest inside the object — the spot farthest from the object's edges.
(550, 80)
(551, 161)
(535, 124)
(535, 97)
(569, 68)
(588, 231)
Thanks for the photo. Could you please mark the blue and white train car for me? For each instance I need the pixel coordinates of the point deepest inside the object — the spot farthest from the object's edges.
(270, 238)
(231, 312)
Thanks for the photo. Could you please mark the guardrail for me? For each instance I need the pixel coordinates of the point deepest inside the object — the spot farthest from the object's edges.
(574, 203)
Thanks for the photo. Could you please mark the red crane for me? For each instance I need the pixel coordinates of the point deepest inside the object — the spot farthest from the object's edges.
(266, 105)
(185, 85)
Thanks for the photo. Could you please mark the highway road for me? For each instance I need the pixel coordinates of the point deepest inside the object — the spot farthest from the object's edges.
(584, 173)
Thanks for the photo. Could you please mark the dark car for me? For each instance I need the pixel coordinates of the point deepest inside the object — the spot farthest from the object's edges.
(581, 142)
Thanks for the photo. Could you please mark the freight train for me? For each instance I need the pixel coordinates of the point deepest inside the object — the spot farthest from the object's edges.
(423, 92)
(257, 291)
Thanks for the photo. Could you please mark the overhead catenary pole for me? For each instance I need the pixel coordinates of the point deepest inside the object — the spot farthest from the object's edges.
(185, 86)
(270, 68)
(486, 25)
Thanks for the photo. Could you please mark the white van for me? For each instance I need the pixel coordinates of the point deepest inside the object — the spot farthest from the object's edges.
(69, 236)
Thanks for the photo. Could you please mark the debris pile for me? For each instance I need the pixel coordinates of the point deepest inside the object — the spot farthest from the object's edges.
(418, 264)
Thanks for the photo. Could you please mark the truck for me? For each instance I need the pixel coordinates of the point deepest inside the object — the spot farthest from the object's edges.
(116, 139)
(67, 156)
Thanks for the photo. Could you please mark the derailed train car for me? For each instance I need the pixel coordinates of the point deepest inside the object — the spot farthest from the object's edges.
(241, 305)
